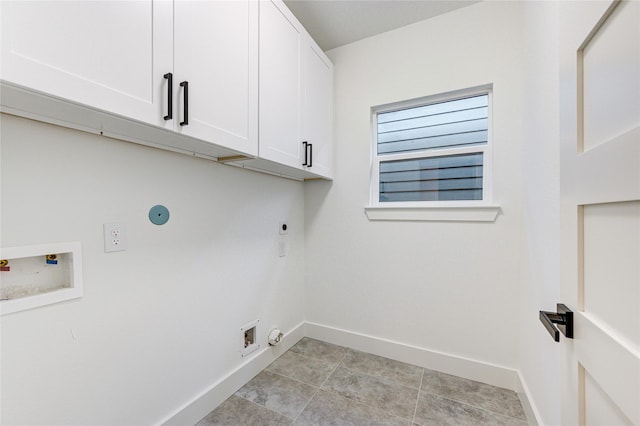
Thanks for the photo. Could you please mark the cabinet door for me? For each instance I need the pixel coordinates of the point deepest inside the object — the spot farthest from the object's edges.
(280, 86)
(216, 53)
(103, 54)
(318, 109)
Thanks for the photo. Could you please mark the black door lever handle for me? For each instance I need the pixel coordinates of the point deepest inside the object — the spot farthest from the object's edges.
(563, 317)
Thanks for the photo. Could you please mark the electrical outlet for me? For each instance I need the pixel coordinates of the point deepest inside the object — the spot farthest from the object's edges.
(115, 237)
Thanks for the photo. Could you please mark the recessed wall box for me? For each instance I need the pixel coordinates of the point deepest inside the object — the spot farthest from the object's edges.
(249, 338)
(40, 275)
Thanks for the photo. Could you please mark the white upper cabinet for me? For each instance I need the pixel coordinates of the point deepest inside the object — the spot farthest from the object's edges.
(102, 54)
(318, 120)
(238, 81)
(119, 56)
(296, 94)
(216, 54)
(281, 38)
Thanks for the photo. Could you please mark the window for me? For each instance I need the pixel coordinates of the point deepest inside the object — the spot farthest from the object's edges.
(433, 152)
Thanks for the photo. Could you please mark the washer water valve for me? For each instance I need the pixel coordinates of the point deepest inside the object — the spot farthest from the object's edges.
(275, 336)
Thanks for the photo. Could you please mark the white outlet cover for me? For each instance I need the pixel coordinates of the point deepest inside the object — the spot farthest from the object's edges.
(115, 237)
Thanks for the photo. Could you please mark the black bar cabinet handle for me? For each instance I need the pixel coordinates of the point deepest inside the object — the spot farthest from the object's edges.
(185, 84)
(169, 76)
(563, 317)
(306, 151)
(310, 155)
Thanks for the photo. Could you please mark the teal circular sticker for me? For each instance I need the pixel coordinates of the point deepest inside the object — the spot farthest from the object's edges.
(159, 215)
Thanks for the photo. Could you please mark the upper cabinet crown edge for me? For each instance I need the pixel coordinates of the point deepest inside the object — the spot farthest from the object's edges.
(181, 76)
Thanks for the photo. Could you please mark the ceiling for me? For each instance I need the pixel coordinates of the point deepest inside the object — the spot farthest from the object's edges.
(334, 23)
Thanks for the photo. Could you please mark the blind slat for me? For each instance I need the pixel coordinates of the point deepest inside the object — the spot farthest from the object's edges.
(440, 162)
(439, 130)
(433, 196)
(471, 138)
(432, 109)
(445, 124)
(451, 173)
(434, 120)
(431, 185)
(448, 177)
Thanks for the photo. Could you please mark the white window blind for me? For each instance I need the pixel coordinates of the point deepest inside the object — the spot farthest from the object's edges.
(432, 152)
(446, 124)
(452, 177)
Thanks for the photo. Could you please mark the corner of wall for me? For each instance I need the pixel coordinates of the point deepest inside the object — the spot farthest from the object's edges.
(471, 369)
(528, 404)
(201, 405)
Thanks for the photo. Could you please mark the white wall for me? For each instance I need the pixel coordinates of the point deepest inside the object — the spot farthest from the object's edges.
(160, 322)
(539, 355)
(446, 287)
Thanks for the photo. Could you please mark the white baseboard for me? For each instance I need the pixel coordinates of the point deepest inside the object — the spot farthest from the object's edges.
(193, 411)
(504, 377)
(495, 375)
(530, 409)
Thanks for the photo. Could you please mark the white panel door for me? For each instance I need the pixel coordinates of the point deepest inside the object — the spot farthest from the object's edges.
(318, 120)
(216, 53)
(280, 86)
(600, 207)
(106, 54)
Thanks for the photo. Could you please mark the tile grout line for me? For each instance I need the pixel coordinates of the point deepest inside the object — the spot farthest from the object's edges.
(341, 364)
(319, 387)
(474, 406)
(305, 405)
(388, 380)
(451, 398)
(383, 379)
(369, 375)
(290, 378)
(256, 404)
(305, 355)
(310, 357)
(335, 368)
(298, 380)
(363, 403)
(418, 398)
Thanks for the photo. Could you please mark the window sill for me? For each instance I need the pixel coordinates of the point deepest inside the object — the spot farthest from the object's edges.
(434, 214)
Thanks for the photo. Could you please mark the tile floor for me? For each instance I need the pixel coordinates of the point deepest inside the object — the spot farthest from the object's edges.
(317, 383)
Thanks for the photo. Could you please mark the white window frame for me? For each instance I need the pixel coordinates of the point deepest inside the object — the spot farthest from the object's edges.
(465, 210)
